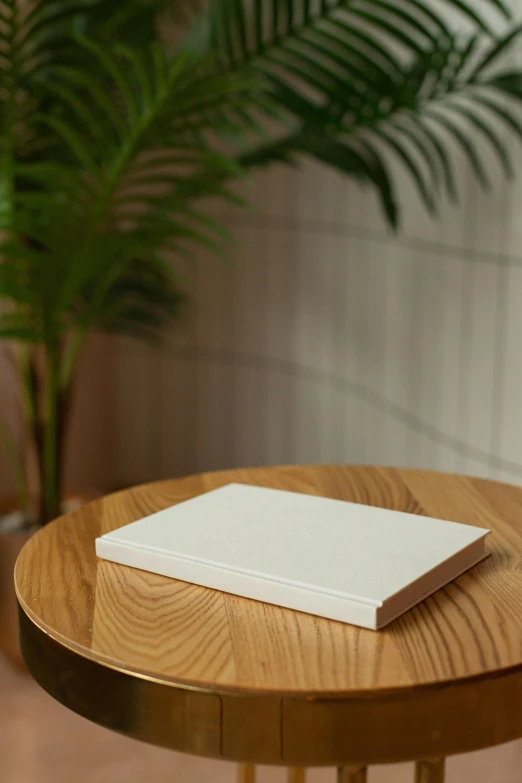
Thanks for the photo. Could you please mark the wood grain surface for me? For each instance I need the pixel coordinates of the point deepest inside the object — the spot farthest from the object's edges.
(467, 634)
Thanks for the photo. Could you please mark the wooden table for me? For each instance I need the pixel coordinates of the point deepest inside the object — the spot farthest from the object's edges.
(209, 673)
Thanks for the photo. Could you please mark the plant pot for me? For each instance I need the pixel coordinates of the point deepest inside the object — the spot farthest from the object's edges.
(12, 539)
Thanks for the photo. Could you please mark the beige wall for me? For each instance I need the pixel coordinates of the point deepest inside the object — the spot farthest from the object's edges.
(332, 340)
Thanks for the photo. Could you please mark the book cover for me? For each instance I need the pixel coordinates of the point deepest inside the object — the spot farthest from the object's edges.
(344, 561)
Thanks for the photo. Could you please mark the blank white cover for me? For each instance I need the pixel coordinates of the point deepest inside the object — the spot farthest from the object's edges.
(344, 550)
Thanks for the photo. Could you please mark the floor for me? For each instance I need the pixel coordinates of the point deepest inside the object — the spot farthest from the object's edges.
(42, 742)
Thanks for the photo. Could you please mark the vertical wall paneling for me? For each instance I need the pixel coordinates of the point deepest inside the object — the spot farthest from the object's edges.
(333, 339)
(281, 381)
(251, 316)
(355, 355)
(337, 434)
(375, 301)
(309, 347)
(398, 378)
(509, 437)
(137, 398)
(425, 395)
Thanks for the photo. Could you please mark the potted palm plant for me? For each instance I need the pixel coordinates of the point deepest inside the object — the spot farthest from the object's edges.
(110, 138)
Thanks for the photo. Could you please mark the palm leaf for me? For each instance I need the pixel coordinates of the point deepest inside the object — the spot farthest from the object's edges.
(468, 11)
(228, 21)
(494, 53)
(410, 19)
(363, 163)
(403, 152)
(114, 72)
(508, 117)
(79, 80)
(341, 70)
(107, 203)
(497, 144)
(419, 125)
(464, 142)
(131, 132)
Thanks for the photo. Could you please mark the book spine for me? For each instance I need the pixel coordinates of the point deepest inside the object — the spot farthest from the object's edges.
(343, 609)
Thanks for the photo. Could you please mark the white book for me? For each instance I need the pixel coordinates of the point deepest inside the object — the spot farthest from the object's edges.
(345, 561)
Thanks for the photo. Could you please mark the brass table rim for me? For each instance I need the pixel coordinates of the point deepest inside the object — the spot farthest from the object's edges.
(242, 691)
(122, 701)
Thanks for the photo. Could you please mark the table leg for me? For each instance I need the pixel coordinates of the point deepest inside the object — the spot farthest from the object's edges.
(429, 771)
(296, 775)
(246, 773)
(351, 774)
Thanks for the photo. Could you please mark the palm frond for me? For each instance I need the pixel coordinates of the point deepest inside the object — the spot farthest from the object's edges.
(243, 30)
(392, 76)
(135, 138)
(122, 192)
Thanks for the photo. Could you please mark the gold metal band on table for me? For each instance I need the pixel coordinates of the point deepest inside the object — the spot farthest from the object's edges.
(430, 771)
(298, 730)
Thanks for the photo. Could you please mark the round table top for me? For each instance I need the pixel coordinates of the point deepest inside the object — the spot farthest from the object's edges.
(211, 673)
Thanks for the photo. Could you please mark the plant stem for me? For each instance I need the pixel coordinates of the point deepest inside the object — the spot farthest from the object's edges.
(64, 406)
(71, 355)
(30, 386)
(50, 505)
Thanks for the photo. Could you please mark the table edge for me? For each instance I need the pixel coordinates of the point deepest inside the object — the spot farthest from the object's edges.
(239, 691)
(286, 729)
